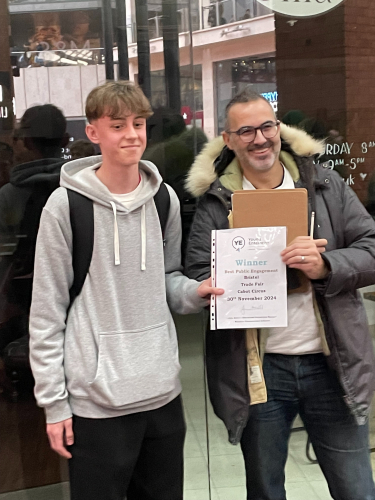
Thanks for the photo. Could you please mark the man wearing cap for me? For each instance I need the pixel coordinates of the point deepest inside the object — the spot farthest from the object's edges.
(37, 153)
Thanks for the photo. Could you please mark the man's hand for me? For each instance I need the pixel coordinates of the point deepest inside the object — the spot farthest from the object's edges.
(61, 435)
(304, 254)
(205, 289)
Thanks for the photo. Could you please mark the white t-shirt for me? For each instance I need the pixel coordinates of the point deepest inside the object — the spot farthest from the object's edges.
(127, 199)
(301, 336)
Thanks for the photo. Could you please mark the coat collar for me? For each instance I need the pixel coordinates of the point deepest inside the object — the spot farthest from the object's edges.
(202, 173)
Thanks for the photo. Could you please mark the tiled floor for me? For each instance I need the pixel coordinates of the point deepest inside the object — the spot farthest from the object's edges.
(304, 480)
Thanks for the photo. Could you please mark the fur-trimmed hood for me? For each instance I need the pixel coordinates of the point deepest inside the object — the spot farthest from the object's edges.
(202, 173)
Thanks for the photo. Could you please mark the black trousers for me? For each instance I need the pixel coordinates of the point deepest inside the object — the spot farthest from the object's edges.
(137, 456)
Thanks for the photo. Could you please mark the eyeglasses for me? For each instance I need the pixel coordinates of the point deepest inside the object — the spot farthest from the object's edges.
(248, 134)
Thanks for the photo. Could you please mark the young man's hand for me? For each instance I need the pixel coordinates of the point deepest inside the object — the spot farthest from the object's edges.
(205, 289)
(61, 435)
(305, 254)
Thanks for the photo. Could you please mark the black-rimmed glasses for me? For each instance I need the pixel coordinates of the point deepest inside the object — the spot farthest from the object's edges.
(248, 134)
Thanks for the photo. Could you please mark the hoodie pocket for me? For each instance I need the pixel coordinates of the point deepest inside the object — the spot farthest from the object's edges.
(134, 366)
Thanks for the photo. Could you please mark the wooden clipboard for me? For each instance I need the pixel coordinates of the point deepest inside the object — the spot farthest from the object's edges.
(274, 207)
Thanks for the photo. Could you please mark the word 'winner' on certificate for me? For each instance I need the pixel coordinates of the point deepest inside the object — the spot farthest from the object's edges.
(247, 264)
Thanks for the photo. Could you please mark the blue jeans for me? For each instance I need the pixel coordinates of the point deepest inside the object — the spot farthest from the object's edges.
(305, 385)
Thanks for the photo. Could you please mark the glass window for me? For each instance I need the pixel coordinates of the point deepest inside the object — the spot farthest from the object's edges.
(312, 60)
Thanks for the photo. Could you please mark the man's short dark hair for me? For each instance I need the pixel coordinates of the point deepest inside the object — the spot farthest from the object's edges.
(45, 125)
(243, 97)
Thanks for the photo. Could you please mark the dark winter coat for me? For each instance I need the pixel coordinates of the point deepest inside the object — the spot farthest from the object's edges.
(350, 255)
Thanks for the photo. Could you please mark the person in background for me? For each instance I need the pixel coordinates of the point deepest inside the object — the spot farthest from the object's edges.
(37, 145)
(37, 148)
(247, 14)
(172, 148)
(81, 149)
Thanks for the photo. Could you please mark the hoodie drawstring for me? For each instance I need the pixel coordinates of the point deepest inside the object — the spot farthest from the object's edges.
(116, 243)
(143, 238)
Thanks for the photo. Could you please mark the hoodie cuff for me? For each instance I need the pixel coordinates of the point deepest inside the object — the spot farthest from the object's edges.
(197, 303)
(59, 411)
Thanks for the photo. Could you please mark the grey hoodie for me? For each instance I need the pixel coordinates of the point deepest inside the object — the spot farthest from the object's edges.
(116, 353)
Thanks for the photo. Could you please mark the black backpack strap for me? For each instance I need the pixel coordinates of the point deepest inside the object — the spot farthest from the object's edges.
(82, 222)
(163, 202)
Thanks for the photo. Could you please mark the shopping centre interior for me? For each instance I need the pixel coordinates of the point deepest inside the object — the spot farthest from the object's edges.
(190, 57)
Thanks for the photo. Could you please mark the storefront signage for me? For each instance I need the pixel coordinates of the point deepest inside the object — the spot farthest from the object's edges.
(301, 8)
(6, 104)
(349, 166)
(272, 98)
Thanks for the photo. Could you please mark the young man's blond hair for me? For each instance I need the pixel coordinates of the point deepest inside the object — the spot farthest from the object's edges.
(114, 99)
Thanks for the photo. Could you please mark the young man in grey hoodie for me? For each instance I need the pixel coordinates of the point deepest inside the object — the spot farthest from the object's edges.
(106, 372)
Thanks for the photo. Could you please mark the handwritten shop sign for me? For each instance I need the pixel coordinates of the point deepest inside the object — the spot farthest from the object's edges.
(301, 8)
(349, 158)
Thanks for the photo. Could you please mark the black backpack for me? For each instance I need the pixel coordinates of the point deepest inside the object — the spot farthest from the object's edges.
(82, 221)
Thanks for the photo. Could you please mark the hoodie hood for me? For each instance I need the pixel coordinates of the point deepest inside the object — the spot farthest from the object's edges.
(79, 175)
(27, 175)
(203, 173)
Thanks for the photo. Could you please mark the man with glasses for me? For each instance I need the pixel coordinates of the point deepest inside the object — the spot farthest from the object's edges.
(321, 366)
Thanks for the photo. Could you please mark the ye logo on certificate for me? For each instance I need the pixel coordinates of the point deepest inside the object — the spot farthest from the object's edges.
(246, 262)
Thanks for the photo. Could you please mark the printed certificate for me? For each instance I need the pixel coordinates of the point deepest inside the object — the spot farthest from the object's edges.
(246, 263)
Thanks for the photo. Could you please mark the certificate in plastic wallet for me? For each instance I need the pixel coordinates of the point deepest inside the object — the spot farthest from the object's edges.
(246, 262)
